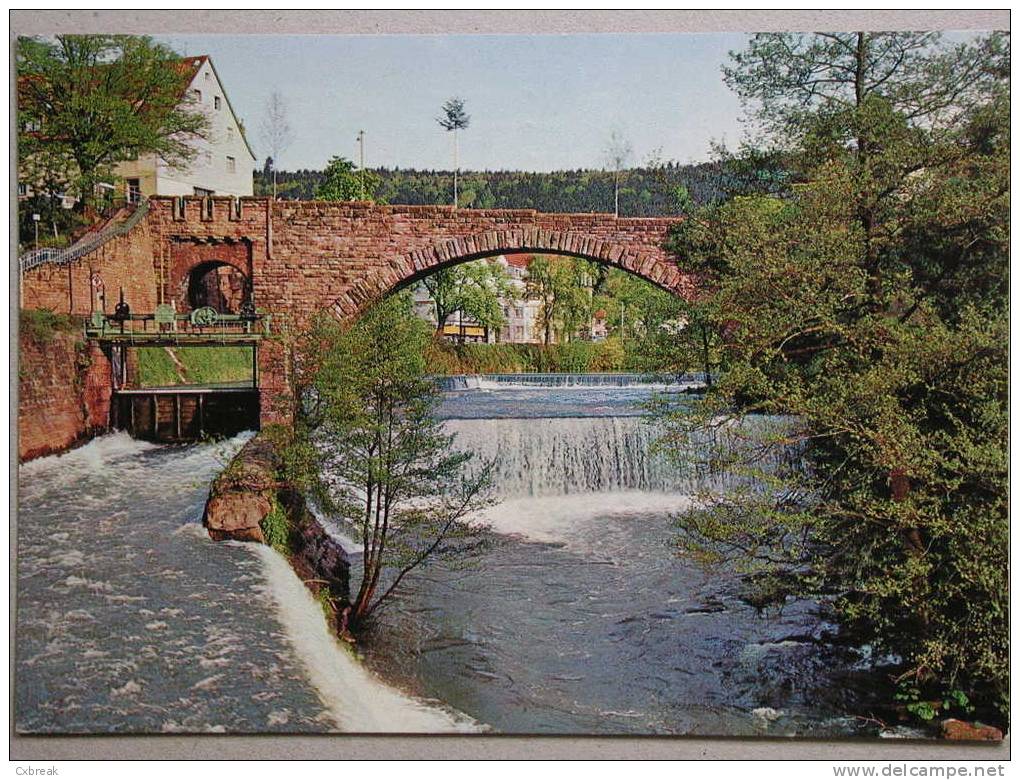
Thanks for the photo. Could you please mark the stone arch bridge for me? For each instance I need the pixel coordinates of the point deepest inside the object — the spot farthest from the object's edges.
(299, 257)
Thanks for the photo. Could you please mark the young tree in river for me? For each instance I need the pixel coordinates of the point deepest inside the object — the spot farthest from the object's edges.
(275, 130)
(390, 472)
(453, 119)
(866, 301)
(88, 102)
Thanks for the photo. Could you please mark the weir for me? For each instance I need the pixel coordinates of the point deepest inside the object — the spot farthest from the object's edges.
(558, 379)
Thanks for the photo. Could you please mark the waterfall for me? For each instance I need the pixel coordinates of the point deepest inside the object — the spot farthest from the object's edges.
(561, 456)
(494, 381)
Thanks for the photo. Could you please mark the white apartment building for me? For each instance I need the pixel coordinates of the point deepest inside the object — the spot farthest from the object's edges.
(224, 163)
(522, 314)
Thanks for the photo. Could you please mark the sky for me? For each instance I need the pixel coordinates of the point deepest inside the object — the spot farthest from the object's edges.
(537, 102)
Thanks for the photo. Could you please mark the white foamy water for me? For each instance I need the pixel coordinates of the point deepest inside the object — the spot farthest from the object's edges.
(358, 700)
(560, 519)
(130, 619)
(559, 381)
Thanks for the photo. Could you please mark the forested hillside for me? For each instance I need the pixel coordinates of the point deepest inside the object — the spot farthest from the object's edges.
(644, 192)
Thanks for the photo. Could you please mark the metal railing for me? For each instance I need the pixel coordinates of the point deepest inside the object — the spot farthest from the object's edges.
(199, 326)
(89, 243)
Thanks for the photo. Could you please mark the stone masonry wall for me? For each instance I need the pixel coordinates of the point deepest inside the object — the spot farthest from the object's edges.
(125, 261)
(64, 392)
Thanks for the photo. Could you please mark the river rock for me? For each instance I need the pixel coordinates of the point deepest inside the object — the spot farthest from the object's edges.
(321, 553)
(236, 516)
(961, 730)
(242, 496)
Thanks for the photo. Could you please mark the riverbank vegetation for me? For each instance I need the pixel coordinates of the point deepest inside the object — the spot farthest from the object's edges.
(866, 296)
(43, 324)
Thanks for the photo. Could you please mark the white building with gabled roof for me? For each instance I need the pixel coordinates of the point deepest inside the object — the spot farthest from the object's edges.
(224, 163)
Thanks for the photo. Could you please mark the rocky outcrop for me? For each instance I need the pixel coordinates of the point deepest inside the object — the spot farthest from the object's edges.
(242, 496)
(963, 731)
(249, 502)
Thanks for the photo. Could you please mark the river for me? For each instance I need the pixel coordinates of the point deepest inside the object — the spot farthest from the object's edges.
(579, 620)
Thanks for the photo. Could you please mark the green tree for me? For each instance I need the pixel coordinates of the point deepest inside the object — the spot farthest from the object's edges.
(545, 285)
(568, 290)
(383, 462)
(454, 119)
(341, 181)
(865, 301)
(88, 102)
(477, 289)
(653, 324)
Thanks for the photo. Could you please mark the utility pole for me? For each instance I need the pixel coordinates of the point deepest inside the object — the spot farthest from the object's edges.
(361, 170)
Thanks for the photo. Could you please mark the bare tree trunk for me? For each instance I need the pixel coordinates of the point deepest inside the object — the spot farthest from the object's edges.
(456, 167)
(616, 193)
(704, 346)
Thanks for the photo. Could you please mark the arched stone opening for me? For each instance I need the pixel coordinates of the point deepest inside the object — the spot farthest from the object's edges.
(218, 285)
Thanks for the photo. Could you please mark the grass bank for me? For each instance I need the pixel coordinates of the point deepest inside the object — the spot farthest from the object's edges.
(158, 366)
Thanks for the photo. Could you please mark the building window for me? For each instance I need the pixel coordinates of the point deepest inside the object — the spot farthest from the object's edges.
(22, 188)
(196, 95)
(134, 190)
(518, 312)
(217, 102)
(208, 76)
(230, 134)
(203, 192)
(231, 165)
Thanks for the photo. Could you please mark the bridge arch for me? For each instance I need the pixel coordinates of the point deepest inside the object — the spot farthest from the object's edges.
(649, 262)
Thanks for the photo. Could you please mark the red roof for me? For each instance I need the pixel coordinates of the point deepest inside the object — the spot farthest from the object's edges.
(188, 66)
(519, 260)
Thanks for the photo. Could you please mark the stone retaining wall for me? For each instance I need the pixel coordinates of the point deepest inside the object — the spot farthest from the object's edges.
(64, 392)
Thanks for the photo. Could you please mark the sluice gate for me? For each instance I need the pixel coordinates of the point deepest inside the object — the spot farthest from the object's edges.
(181, 414)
